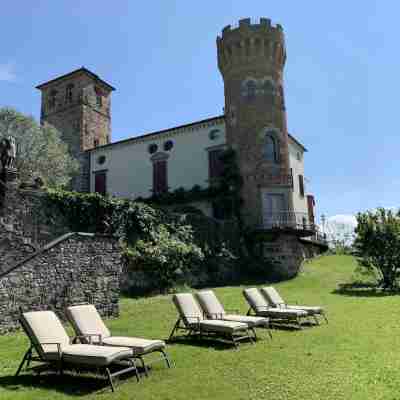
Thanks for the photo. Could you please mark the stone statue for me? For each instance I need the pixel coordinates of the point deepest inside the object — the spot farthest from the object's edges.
(8, 152)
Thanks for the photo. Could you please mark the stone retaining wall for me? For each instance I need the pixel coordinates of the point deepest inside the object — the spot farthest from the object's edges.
(75, 268)
(287, 251)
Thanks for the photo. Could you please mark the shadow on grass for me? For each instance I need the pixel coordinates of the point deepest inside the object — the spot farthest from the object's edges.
(207, 342)
(362, 289)
(277, 326)
(70, 383)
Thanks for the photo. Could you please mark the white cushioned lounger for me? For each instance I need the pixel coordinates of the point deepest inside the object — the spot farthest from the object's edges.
(275, 300)
(86, 320)
(52, 345)
(260, 307)
(213, 309)
(191, 319)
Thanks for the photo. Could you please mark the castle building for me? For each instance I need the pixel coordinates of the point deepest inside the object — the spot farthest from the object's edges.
(251, 60)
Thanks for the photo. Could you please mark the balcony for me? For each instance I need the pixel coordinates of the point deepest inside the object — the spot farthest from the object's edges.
(289, 221)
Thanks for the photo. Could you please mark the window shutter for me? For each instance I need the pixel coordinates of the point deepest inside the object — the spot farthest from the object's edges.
(301, 185)
(160, 182)
(100, 179)
(215, 165)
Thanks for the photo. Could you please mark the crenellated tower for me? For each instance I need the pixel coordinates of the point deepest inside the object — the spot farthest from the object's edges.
(251, 59)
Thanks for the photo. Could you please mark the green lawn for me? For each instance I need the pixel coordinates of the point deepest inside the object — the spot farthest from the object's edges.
(356, 356)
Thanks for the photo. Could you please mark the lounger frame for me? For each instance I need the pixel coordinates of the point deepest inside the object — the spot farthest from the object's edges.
(195, 329)
(274, 318)
(296, 306)
(164, 356)
(33, 354)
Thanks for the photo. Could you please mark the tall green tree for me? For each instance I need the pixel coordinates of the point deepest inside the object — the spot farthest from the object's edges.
(377, 244)
(40, 149)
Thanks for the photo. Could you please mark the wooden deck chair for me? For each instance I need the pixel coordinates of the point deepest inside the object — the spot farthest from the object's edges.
(275, 300)
(51, 346)
(191, 320)
(86, 320)
(213, 309)
(260, 307)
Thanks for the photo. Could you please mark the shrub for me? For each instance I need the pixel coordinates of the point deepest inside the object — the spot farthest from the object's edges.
(166, 257)
(377, 244)
(220, 264)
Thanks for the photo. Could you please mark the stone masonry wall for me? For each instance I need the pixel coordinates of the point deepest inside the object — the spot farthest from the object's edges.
(73, 269)
(288, 252)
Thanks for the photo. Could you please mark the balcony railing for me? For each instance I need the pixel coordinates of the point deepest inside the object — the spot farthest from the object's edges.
(298, 221)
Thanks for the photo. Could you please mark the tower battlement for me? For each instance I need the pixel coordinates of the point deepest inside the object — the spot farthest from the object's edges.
(247, 41)
(263, 24)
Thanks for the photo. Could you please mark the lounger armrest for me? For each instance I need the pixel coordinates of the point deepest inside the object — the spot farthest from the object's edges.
(233, 310)
(89, 336)
(58, 347)
(196, 317)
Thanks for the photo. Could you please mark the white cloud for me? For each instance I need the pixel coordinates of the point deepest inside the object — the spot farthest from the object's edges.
(7, 72)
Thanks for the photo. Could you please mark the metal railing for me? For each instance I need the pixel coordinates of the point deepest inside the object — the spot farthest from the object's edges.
(288, 220)
(318, 236)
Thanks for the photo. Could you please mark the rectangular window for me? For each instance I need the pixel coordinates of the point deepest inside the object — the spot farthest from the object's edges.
(301, 185)
(100, 182)
(215, 165)
(160, 182)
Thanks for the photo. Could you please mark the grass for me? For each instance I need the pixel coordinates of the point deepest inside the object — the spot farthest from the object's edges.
(355, 357)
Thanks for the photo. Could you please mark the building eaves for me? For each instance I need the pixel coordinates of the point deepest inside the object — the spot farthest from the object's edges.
(79, 70)
(297, 142)
(156, 133)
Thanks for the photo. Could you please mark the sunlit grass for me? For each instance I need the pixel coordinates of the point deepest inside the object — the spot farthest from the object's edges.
(355, 356)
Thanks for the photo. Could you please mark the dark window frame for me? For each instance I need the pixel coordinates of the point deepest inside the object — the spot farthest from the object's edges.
(69, 93)
(160, 176)
(97, 176)
(271, 139)
(215, 164)
(301, 185)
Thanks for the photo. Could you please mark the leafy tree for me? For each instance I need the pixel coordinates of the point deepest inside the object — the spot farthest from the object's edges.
(377, 244)
(40, 150)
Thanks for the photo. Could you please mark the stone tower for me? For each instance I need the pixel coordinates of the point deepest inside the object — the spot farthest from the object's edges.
(78, 104)
(251, 58)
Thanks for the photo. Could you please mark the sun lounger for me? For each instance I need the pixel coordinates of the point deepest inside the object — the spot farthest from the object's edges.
(51, 346)
(213, 309)
(86, 320)
(260, 307)
(191, 320)
(275, 300)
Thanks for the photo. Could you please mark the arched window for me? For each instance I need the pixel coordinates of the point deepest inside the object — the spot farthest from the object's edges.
(269, 91)
(249, 89)
(271, 148)
(68, 93)
(52, 98)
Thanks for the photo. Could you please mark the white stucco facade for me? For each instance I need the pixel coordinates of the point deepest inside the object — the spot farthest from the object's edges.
(129, 167)
(128, 164)
(296, 162)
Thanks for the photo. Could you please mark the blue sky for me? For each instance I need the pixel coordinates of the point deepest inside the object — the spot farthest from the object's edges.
(341, 77)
